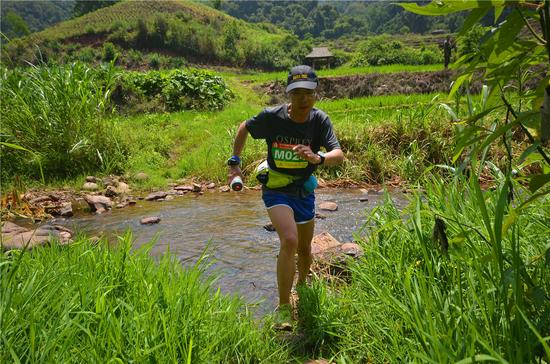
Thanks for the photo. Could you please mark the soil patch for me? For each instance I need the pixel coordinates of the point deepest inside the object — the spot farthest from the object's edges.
(372, 84)
(377, 84)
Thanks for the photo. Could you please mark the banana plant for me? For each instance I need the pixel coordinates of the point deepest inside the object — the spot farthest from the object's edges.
(515, 50)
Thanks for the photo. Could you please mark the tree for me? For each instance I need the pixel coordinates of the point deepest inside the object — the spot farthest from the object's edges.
(16, 24)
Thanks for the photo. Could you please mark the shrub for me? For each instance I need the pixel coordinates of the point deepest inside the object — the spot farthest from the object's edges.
(179, 89)
(109, 52)
(382, 50)
(86, 55)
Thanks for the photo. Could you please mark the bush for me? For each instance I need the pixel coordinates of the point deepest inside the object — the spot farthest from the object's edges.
(469, 43)
(109, 52)
(86, 55)
(382, 50)
(179, 89)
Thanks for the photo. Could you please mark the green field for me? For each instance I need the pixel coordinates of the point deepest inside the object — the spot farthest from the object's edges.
(263, 77)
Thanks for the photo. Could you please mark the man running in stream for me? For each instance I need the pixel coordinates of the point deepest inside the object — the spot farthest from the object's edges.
(294, 133)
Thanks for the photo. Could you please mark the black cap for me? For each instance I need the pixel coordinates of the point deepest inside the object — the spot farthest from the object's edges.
(301, 77)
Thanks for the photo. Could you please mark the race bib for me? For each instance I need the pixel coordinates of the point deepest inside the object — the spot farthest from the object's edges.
(285, 157)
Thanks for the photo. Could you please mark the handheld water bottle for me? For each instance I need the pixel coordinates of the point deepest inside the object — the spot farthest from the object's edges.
(236, 183)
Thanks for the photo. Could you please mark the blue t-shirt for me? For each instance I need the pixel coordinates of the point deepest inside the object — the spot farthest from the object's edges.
(282, 134)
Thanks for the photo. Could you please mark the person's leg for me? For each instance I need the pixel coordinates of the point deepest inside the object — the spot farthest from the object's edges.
(305, 235)
(282, 218)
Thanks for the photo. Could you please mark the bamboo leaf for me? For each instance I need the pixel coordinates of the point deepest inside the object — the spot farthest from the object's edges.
(436, 8)
(538, 181)
(527, 152)
(458, 82)
(474, 18)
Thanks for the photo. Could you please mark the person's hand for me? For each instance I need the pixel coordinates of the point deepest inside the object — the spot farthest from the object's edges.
(233, 172)
(305, 152)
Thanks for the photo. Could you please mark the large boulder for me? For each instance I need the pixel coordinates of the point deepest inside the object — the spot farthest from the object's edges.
(99, 203)
(331, 258)
(322, 242)
(18, 237)
(156, 196)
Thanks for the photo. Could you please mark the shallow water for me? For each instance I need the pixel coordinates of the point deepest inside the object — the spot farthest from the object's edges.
(231, 226)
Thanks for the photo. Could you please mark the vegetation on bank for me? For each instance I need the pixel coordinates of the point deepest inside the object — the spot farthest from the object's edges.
(458, 276)
(57, 122)
(95, 124)
(83, 303)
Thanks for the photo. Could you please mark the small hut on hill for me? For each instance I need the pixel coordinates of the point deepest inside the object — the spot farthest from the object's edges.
(319, 56)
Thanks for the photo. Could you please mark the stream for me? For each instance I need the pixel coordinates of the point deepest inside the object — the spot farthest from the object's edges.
(230, 225)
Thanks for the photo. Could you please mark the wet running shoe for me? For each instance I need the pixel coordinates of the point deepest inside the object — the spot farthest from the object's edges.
(283, 318)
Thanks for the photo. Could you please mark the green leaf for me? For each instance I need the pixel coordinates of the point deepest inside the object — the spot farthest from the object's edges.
(458, 82)
(15, 146)
(476, 117)
(538, 181)
(476, 358)
(547, 257)
(506, 35)
(474, 18)
(498, 12)
(527, 152)
(510, 219)
(497, 133)
(445, 7)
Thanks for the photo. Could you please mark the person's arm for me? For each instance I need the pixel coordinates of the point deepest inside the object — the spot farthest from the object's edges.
(240, 139)
(332, 158)
(238, 146)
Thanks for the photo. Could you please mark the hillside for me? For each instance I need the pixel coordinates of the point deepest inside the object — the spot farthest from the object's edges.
(37, 15)
(190, 32)
(334, 19)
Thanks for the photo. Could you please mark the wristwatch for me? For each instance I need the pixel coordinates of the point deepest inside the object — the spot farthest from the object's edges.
(234, 161)
(322, 156)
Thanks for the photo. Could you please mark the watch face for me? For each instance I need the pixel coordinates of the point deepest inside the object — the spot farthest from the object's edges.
(322, 155)
(233, 161)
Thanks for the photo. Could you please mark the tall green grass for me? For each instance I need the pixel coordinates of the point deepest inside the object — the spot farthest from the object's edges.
(475, 289)
(84, 303)
(59, 114)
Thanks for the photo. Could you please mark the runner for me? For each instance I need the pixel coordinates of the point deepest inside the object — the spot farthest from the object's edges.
(294, 134)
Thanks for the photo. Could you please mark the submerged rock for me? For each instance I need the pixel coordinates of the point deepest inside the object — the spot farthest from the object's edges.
(150, 220)
(328, 206)
(18, 237)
